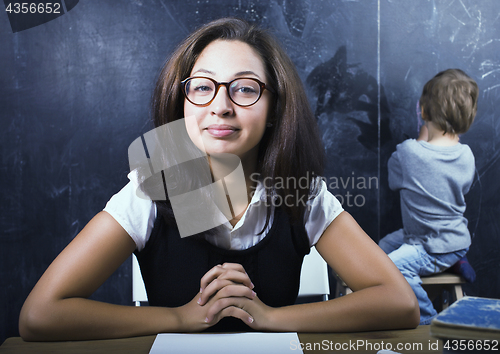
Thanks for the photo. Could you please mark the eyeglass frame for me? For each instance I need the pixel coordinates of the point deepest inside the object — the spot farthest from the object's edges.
(262, 86)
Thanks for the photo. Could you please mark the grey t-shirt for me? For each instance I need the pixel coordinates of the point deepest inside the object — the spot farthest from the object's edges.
(432, 181)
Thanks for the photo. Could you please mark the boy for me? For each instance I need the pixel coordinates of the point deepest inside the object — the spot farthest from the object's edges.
(433, 173)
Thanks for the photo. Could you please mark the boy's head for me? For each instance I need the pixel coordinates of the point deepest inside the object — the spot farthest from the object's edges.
(449, 100)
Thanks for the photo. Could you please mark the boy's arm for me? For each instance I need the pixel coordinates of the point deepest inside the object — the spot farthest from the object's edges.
(395, 171)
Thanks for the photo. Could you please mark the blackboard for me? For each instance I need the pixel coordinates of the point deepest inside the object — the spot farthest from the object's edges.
(75, 92)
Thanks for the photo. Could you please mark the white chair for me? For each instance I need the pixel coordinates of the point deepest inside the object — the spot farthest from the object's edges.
(313, 278)
(138, 289)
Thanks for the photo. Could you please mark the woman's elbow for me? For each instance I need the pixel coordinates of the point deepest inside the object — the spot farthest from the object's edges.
(27, 325)
(409, 310)
(413, 314)
(33, 322)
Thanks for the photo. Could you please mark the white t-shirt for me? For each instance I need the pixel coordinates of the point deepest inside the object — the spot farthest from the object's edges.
(137, 216)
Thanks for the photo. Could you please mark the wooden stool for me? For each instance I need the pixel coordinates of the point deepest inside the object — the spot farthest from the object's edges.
(436, 284)
(433, 284)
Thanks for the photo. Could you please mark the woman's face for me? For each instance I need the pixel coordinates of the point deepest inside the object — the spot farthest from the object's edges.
(223, 126)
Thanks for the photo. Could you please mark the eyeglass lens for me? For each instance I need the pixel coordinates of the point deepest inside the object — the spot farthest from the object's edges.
(242, 91)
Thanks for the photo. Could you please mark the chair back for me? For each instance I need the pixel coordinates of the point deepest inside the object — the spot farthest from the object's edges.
(314, 276)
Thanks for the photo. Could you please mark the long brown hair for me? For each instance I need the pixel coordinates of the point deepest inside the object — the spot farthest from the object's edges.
(291, 149)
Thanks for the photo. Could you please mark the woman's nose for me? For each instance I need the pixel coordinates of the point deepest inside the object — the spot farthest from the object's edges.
(222, 104)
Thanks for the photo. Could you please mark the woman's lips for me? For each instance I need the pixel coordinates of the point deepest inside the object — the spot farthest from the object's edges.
(221, 130)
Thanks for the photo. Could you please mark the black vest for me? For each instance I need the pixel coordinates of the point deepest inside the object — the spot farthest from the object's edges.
(172, 267)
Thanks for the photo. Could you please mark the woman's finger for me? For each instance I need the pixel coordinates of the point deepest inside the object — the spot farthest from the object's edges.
(234, 266)
(224, 279)
(232, 311)
(228, 271)
(228, 306)
(224, 288)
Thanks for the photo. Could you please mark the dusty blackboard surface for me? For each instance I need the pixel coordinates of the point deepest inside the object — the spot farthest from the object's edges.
(74, 93)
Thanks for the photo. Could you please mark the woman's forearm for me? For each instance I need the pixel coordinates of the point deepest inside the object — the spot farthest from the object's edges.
(80, 319)
(382, 298)
(374, 308)
(58, 307)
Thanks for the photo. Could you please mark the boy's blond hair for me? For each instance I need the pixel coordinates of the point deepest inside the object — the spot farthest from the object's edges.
(449, 100)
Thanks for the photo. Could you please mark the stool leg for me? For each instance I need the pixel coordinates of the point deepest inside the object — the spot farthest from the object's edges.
(445, 302)
(458, 292)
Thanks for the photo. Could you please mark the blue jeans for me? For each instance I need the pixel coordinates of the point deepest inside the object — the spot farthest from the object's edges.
(414, 261)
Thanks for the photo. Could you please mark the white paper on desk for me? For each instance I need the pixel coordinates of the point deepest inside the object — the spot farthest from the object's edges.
(226, 343)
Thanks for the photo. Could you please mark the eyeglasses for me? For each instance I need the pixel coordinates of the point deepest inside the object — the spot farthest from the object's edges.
(244, 92)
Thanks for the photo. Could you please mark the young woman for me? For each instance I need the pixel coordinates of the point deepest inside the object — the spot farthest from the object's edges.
(242, 96)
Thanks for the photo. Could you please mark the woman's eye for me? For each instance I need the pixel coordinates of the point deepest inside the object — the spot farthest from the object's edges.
(245, 90)
(202, 88)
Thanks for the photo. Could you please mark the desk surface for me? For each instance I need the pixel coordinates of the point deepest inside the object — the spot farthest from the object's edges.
(416, 340)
